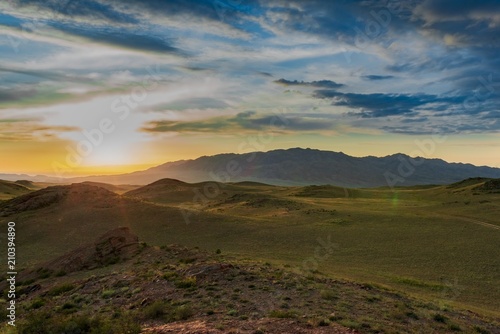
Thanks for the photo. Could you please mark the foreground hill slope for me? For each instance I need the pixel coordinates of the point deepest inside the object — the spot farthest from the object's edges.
(173, 289)
(305, 167)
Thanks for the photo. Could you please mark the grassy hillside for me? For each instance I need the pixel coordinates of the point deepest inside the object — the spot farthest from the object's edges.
(10, 189)
(173, 289)
(438, 243)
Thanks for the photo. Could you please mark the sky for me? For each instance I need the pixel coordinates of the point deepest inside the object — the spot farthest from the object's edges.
(108, 86)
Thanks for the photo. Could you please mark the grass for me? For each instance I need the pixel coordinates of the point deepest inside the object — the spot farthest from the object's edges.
(439, 318)
(282, 314)
(418, 240)
(162, 310)
(186, 283)
(275, 291)
(60, 289)
(46, 323)
(106, 294)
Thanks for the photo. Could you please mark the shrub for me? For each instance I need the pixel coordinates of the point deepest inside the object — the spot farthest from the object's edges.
(44, 273)
(156, 310)
(169, 275)
(61, 273)
(481, 330)
(186, 283)
(60, 289)
(44, 323)
(350, 324)
(439, 318)
(108, 294)
(232, 312)
(328, 295)
(282, 314)
(68, 307)
(187, 260)
(166, 312)
(37, 303)
(183, 312)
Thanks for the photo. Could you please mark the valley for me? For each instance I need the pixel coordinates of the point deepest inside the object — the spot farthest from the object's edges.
(435, 243)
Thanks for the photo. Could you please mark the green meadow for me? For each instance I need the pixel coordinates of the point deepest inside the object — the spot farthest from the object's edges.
(437, 243)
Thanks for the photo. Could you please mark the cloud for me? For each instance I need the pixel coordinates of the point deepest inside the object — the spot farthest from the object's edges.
(377, 77)
(88, 9)
(46, 75)
(436, 50)
(317, 84)
(122, 37)
(438, 11)
(244, 121)
(30, 129)
(192, 103)
(383, 105)
(132, 24)
(16, 94)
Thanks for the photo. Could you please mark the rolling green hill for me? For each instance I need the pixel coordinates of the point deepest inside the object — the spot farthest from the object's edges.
(9, 189)
(438, 243)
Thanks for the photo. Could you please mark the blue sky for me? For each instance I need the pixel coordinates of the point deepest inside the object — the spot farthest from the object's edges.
(180, 79)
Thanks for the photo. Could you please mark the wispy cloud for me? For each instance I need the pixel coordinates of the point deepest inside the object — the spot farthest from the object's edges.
(404, 67)
(245, 121)
(377, 77)
(30, 130)
(381, 105)
(317, 84)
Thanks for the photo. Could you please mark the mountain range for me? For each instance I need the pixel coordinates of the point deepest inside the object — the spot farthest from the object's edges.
(298, 166)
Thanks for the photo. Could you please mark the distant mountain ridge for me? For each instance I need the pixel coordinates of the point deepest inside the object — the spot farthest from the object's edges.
(298, 166)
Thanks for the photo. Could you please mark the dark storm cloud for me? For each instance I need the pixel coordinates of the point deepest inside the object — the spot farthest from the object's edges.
(317, 84)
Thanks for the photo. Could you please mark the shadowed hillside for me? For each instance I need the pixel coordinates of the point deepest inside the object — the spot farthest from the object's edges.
(76, 194)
